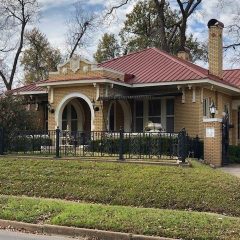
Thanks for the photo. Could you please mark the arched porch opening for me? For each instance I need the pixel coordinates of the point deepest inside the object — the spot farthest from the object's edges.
(75, 113)
(119, 116)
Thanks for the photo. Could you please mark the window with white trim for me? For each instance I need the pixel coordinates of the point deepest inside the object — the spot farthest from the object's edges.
(170, 115)
(154, 110)
(139, 116)
(206, 105)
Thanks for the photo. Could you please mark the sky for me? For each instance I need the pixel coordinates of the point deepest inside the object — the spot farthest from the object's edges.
(54, 15)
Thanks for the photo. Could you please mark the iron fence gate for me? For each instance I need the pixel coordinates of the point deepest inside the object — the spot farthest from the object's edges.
(120, 145)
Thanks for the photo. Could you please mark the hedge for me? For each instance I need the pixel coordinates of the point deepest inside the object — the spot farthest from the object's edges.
(136, 145)
(234, 154)
(27, 143)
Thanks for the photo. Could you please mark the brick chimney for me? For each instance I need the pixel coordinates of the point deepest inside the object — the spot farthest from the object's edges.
(184, 54)
(215, 48)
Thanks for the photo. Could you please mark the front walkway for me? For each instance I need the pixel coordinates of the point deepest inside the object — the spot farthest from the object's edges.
(233, 169)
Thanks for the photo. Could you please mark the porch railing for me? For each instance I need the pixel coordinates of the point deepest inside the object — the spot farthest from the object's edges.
(120, 145)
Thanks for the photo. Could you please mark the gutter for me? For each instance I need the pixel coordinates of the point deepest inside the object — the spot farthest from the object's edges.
(140, 85)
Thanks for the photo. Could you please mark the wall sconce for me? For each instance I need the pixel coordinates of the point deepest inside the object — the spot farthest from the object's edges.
(212, 109)
(50, 108)
(96, 108)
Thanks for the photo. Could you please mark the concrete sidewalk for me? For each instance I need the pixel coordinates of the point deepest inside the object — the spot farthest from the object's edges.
(233, 169)
(11, 235)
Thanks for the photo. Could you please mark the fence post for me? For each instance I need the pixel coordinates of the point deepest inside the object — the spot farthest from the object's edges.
(182, 145)
(57, 142)
(1, 141)
(121, 145)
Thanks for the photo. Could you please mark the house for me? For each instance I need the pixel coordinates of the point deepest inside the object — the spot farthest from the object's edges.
(129, 91)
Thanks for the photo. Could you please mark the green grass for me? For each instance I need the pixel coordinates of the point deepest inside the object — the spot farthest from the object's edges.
(147, 221)
(199, 188)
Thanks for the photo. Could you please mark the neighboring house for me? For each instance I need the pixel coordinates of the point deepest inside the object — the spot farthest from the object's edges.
(129, 91)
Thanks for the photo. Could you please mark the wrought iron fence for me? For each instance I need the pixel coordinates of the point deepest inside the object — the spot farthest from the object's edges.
(121, 145)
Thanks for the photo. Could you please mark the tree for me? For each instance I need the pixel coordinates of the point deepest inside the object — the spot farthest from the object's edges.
(15, 15)
(108, 48)
(178, 28)
(80, 25)
(39, 58)
(142, 30)
(14, 116)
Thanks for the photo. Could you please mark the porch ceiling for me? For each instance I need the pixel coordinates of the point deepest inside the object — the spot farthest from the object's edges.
(143, 96)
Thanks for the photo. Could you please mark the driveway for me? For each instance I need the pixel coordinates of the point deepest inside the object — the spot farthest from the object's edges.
(9, 235)
(233, 169)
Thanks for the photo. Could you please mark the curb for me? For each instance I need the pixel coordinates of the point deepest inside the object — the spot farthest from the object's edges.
(75, 232)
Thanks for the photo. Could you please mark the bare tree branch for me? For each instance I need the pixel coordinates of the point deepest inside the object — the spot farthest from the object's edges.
(79, 26)
(118, 6)
(15, 16)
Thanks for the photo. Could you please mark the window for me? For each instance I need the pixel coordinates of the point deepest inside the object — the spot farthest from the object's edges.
(206, 105)
(74, 119)
(112, 118)
(139, 116)
(154, 110)
(64, 118)
(46, 117)
(170, 115)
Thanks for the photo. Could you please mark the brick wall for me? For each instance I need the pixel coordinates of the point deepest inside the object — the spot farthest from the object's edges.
(213, 145)
(188, 114)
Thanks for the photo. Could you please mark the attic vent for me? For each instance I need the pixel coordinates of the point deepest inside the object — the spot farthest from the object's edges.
(85, 68)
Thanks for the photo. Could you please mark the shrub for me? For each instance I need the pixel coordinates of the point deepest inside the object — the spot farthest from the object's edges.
(234, 154)
(28, 143)
(138, 145)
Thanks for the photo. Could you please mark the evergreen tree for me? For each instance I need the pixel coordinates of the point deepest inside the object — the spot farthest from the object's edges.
(39, 58)
(108, 48)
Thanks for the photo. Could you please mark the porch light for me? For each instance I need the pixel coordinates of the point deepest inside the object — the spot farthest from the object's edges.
(212, 109)
(50, 108)
(96, 109)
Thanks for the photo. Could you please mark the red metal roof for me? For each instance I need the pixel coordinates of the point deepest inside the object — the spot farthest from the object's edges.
(232, 76)
(28, 88)
(153, 66)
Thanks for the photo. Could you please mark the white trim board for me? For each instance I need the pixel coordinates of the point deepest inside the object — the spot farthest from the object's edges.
(140, 85)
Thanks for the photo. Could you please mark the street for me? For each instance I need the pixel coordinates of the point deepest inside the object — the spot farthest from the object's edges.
(10, 235)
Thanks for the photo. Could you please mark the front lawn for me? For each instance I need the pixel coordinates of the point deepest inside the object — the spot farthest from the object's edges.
(199, 188)
(146, 221)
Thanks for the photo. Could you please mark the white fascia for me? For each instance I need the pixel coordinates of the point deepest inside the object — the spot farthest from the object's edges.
(141, 85)
(212, 82)
(74, 82)
(30, 93)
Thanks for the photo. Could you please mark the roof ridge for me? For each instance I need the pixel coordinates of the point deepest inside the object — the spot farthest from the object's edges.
(181, 61)
(131, 53)
(234, 69)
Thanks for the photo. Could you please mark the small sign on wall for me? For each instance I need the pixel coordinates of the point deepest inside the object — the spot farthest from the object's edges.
(210, 132)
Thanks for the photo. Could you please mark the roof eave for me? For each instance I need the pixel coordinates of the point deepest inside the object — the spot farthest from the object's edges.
(30, 92)
(74, 82)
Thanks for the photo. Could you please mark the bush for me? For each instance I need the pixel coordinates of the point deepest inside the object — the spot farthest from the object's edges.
(234, 154)
(136, 145)
(28, 143)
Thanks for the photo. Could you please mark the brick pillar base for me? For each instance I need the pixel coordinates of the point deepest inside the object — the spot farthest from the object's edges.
(213, 141)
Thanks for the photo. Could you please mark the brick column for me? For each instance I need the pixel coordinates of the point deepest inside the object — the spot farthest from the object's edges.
(100, 118)
(213, 141)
